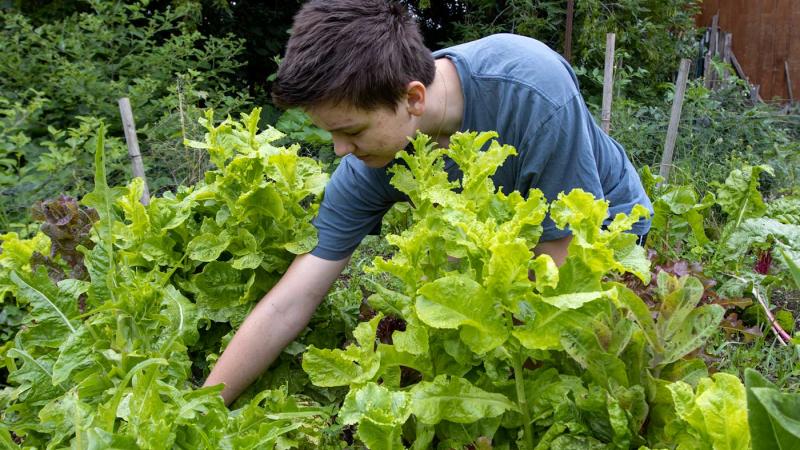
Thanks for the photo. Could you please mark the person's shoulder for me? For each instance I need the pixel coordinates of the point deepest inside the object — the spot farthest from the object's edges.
(354, 178)
(487, 52)
(526, 63)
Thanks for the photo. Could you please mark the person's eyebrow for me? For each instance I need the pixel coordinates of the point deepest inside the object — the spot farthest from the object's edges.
(350, 127)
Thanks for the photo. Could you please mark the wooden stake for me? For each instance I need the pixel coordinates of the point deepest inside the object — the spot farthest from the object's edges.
(754, 96)
(133, 145)
(726, 53)
(674, 119)
(568, 32)
(608, 83)
(708, 73)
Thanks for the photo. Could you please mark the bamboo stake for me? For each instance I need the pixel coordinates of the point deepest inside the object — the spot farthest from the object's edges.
(788, 81)
(674, 119)
(568, 32)
(608, 83)
(133, 145)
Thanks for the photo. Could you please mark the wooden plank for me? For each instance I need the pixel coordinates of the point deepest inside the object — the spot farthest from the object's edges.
(767, 46)
(737, 68)
(794, 47)
(608, 83)
(766, 34)
(129, 127)
(568, 32)
(674, 119)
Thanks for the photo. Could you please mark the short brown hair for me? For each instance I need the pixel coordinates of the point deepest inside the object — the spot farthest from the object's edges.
(358, 52)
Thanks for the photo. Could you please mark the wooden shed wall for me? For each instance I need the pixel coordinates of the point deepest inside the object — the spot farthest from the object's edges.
(765, 34)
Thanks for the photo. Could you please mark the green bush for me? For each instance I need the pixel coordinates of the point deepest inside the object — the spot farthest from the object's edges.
(719, 131)
(64, 76)
(651, 35)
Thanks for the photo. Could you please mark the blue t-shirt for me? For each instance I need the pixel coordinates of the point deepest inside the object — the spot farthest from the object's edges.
(526, 92)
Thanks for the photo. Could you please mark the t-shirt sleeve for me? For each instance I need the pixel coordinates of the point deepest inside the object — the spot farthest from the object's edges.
(559, 156)
(354, 202)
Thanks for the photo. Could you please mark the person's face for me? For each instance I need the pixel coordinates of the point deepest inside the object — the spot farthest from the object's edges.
(374, 136)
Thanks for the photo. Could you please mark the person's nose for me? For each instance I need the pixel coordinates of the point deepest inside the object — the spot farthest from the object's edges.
(342, 146)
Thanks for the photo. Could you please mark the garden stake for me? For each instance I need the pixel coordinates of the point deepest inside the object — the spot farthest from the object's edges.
(712, 51)
(608, 83)
(674, 120)
(133, 145)
(568, 32)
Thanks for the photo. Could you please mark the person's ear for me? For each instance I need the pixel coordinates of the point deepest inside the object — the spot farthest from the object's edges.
(415, 98)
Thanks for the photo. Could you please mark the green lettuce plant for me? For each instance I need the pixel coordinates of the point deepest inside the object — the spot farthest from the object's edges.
(120, 374)
(499, 344)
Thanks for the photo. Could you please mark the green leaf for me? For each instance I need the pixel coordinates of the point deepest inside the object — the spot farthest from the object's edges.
(794, 267)
(263, 201)
(413, 340)
(757, 232)
(773, 415)
(545, 326)
(739, 196)
(75, 353)
(380, 414)
(377, 403)
(222, 291)
(546, 272)
(577, 299)
(455, 400)
(100, 261)
(457, 301)
(682, 325)
(34, 379)
(603, 367)
(208, 246)
(352, 366)
(717, 412)
(51, 307)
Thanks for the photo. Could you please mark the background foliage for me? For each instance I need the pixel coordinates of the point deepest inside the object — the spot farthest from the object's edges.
(62, 75)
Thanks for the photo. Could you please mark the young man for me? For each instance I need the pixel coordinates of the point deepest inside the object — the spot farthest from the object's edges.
(360, 70)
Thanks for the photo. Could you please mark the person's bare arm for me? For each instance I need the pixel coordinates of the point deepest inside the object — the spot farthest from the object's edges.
(557, 249)
(277, 319)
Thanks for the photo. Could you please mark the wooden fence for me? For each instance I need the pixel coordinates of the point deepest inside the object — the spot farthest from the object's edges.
(766, 41)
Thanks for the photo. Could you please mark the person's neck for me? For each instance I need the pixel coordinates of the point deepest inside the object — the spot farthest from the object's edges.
(445, 114)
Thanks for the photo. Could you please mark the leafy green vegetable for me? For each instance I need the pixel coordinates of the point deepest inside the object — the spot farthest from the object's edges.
(773, 415)
(119, 374)
(714, 416)
(474, 318)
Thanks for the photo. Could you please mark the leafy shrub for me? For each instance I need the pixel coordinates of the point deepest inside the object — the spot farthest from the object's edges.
(651, 35)
(61, 78)
(719, 132)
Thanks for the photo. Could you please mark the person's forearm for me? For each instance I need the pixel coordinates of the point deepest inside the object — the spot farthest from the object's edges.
(277, 319)
(269, 328)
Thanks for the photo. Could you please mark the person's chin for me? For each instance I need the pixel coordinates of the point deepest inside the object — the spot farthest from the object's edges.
(373, 162)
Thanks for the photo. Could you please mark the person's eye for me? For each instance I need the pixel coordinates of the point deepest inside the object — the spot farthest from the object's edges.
(353, 133)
